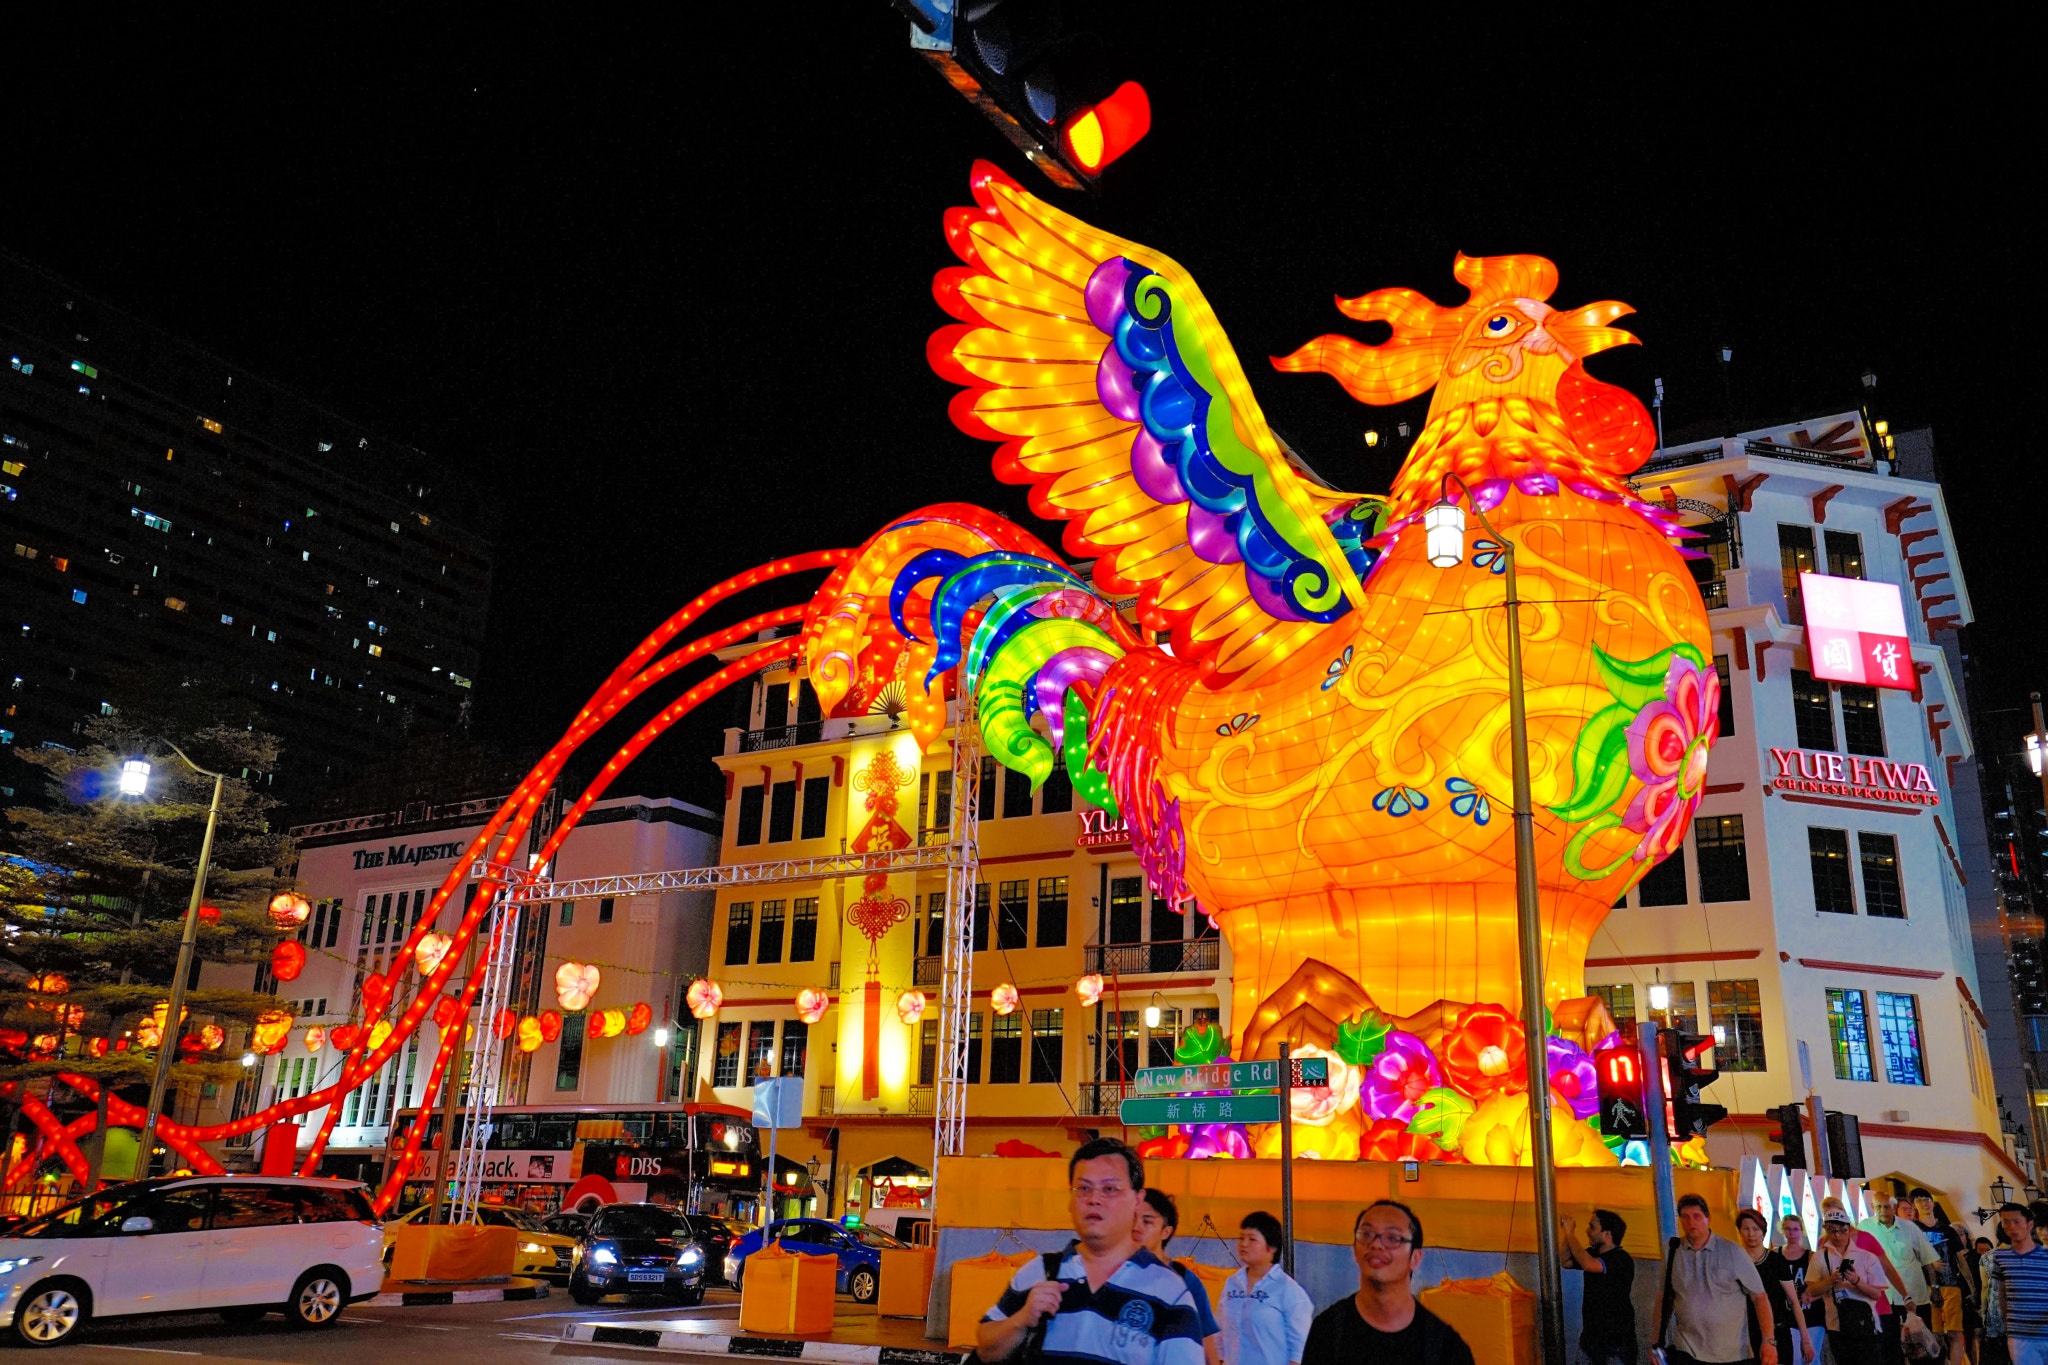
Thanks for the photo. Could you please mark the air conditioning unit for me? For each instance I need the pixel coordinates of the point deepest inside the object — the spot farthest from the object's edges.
(1898, 1116)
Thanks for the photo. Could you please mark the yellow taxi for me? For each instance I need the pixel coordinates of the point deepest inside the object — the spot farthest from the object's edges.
(537, 1251)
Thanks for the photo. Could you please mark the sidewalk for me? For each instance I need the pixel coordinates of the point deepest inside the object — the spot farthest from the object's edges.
(859, 1336)
(427, 1293)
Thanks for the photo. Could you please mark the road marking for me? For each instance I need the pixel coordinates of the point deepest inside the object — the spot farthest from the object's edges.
(158, 1350)
(627, 1312)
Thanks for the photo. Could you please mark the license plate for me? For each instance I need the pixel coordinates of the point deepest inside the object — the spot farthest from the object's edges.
(646, 1276)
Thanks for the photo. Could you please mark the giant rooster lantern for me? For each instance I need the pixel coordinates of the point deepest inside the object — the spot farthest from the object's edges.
(1307, 731)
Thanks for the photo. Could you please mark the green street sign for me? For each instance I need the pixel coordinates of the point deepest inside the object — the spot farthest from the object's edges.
(1174, 1080)
(1200, 1109)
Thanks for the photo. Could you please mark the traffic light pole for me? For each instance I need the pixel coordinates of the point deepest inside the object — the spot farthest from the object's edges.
(1659, 1134)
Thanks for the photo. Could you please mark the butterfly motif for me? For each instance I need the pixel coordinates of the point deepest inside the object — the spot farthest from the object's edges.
(1337, 667)
(1400, 800)
(1467, 799)
(1488, 554)
(1237, 724)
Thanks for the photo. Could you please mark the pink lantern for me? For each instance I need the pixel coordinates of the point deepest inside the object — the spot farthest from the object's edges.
(910, 1006)
(316, 1038)
(575, 983)
(1089, 988)
(811, 1003)
(1004, 998)
(704, 997)
(433, 947)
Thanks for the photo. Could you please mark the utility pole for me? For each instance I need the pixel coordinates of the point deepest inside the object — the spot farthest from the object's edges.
(1287, 1150)
(174, 1012)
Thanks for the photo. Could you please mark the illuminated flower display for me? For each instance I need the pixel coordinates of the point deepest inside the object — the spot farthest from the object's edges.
(910, 1006)
(316, 1038)
(288, 909)
(1397, 1079)
(704, 998)
(431, 950)
(1318, 1105)
(1497, 1134)
(1003, 998)
(1390, 1140)
(1484, 1053)
(575, 983)
(1089, 988)
(1572, 1078)
(811, 1003)
(641, 1015)
(287, 960)
(273, 1030)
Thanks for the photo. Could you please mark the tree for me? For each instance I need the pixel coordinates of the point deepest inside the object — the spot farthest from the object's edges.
(94, 888)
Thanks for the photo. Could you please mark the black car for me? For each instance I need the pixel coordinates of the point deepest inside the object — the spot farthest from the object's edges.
(567, 1223)
(714, 1237)
(638, 1249)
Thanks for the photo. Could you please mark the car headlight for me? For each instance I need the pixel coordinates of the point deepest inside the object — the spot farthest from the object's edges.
(9, 1267)
(602, 1256)
(532, 1248)
(690, 1257)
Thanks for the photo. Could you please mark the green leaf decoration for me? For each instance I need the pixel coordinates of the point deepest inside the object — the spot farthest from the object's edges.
(1443, 1116)
(1599, 764)
(1198, 1046)
(1358, 1043)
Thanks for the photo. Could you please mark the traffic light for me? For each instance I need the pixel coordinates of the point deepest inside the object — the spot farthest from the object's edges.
(1689, 1069)
(1619, 1070)
(1845, 1146)
(1790, 1137)
(1047, 86)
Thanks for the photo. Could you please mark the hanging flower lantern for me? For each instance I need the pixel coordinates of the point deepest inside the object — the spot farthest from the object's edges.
(378, 1033)
(446, 1009)
(608, 1023)
(1089, 988)
(639, 1019)
(529, 1034)
(704, 997)
(209, 914)
(273, 1029)
(212, 1037)
(47, 1042)
(550, 1026)
(575, 983)
(432, 948)
(316, 1038)
(50, 983)
(149, 1032)
(376, 991)
(97, 1047)
(811, 1003)
(1003, 998)
(288, 959)
(910, 1006)
(288, 909)
(506, 1022)
(345, 1035)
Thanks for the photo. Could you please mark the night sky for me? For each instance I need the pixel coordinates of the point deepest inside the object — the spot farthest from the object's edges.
(668, 289)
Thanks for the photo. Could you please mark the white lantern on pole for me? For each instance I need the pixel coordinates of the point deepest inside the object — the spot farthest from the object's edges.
(1444, 530)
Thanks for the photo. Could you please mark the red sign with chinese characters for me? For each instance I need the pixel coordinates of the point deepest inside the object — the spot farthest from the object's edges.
(1856, 631)
(1875, 780)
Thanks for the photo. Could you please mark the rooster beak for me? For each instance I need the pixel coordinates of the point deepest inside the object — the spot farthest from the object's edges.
(1585, 332)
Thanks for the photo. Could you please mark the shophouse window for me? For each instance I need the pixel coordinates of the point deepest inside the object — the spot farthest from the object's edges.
(1006, 1048)
(568, 913)
(1120, 1058)
(1813, 712)
(782, 813)
(1683, 1013)
(1724, 858)
(974, 1047)
(1828, 851)
(604, 910)
(981, 918)
(1016, 793)
(1845, 554)
(760, 1049)
(1664, 884)
(1735, 1014)
(803, 930)
(1862, 720)
(1013, 915)
(771, 932)
(985, 793)
(1057, 795)
(1849, 1035)
(1126, 910)
(1048, 1046)
(817, 803)
(935, 924)
(569, 1053)
(739, 932)
(747, 830)
(942, 801)
(1164, 1039)
(725, 1066)
(1727, 726)
(682, 1058)
(1052, 912)
(1898, 1028)
(927, 1051)
(1882, 894)
(1795, 556)
(1621, 1003)
(796, 1042)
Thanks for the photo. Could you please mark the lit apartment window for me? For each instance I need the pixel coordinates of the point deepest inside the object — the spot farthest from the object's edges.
(725, 1064)
(796, 1042)
(1735, 1013)
(1724, 858)
(1795, 556)
(1882, 893)
(1845, 554)
(1621, 1003)
(760, 1049)
(1898, 1026)
(1849, 1035)
(175, 603)
(1828, 851)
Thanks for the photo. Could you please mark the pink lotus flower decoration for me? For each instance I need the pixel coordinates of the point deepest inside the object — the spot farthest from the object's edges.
(1397, 1077)
(1668, 743)
(704, 998)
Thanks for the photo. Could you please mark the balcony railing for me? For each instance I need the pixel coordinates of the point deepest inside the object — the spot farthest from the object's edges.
(1661, 461)
(923, 1101)
(827, 1097)
(927, 972)
(1170, 955)
(1714, 592)
(782, 737)
(1099, 1099)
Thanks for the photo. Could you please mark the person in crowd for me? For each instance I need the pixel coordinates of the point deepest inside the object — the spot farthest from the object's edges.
(1158, 1220)
(1266, 1315)
(1382, 1323)
(2019, 1274)
(1812, 1316)
(1103, 1298)
(1907, 1247)
(1776, 1273)
(1607, 1315)
(1707, 1281)
(1849, 1284)
(1950, 1290)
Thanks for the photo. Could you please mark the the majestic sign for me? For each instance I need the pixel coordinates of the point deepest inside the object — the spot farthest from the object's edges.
(1876, 780)
(1856, 631)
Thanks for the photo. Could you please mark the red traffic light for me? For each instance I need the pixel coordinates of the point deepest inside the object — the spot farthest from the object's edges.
(1103, 132)
(1619, 1070)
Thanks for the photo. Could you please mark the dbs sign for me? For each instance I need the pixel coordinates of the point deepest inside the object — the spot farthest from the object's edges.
(1620, 1071)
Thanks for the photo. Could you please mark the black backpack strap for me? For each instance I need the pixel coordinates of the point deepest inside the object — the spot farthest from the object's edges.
(1670, 1298)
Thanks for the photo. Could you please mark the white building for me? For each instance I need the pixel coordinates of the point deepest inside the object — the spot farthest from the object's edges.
(1819, 905)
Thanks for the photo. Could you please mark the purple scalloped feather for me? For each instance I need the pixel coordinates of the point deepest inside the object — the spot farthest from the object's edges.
(1116, 386)
(1061, 672)
(1271, 598)
(1209, 537)
(1105, 294)
(1155, 470)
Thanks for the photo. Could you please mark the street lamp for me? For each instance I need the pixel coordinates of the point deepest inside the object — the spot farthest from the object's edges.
(1444, 531)
(1660, 994)
(174, 1015)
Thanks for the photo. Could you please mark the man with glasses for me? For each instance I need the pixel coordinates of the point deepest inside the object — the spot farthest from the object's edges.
(1382, 1323)
(1104, 1298)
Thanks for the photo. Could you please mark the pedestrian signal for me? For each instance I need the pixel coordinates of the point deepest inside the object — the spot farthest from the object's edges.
(1619, 1070)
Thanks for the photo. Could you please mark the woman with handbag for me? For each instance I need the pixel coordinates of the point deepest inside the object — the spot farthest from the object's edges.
(1850, 1289)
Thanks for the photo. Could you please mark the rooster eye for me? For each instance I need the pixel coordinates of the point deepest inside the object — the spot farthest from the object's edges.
(1499, 325)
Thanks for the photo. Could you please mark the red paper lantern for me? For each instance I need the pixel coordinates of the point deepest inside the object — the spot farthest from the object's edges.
(376, 991)
(273, 1029)
(345, 1035)
(550, 1026)
(288, 909)
(288, 959)
(209, 914)
(212, 1036)
(639, 1019)
(507, 1021)
(445, 1011)
(97, 1047)
(50, 983)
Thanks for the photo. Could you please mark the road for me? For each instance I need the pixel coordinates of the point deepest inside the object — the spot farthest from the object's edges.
(459, 1334)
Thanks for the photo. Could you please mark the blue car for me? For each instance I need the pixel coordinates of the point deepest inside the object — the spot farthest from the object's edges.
(859, 1251)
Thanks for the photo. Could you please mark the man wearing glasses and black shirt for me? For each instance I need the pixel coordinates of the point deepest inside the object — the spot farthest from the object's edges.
(1382, 1322)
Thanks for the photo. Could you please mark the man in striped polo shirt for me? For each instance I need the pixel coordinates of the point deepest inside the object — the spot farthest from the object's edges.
(2021, 1273)
(1106, 1298)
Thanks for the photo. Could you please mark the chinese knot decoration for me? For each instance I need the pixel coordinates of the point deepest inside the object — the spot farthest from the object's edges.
(877, 912)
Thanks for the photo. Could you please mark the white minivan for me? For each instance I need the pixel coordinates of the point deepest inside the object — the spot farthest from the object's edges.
(239, 1245)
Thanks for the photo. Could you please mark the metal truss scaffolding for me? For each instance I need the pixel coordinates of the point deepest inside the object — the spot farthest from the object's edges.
(486, 1054)
(956, 984)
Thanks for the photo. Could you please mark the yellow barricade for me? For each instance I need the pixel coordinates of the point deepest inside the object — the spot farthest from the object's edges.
(906, 1282)
(788, 1293)
(460, 1251)
(1212, 1278)
(977, 1284)
(1496, 1317)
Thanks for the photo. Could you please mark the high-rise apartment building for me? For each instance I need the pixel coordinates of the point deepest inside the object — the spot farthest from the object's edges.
(161, 506)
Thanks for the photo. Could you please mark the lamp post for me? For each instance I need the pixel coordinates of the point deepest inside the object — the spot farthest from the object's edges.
(134, 781)
(1444, 529)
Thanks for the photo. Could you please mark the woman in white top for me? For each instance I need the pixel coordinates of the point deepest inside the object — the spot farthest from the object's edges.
(1266, 1315)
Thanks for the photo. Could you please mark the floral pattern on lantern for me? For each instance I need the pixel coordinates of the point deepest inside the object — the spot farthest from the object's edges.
(637, 1021)
(432, 948)
(316, 1038)
(1089, 988)
(1318, 1105)
(273, 1029)
(530, 1037)
(575, 983)
(811, 1003)
(704, 998)
(1390, 1140)
(1572, 1078)
(288, 909)
(1403, 1071)
(910, 1006)
(1485, 1053)
(1003, 998)
(288, 959)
